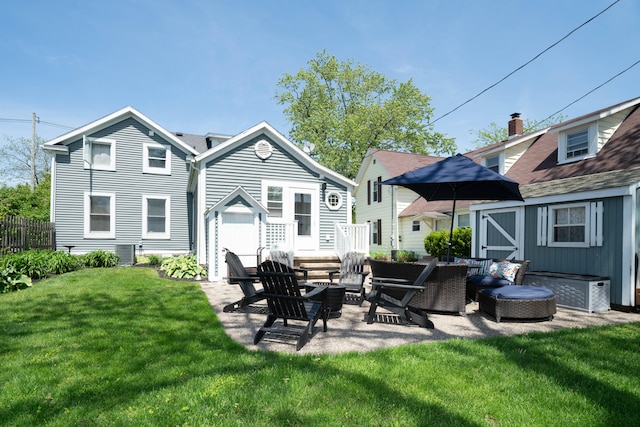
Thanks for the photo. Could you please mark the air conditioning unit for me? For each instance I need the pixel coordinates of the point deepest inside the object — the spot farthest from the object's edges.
(126, 254)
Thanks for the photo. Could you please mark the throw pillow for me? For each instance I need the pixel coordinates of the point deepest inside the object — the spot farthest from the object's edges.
(508, 270)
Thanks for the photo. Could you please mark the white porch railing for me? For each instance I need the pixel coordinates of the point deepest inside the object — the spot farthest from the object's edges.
(347, 237)
(351, 237)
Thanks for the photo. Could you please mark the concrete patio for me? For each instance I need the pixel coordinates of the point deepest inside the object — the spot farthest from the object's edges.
(350, 332)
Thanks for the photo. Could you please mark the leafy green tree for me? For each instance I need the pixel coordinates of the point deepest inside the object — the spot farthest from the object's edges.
(344, 108)
(15, 161)
(20, 201)
(494, 133)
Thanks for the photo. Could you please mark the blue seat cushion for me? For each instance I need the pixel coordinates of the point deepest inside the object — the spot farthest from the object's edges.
(519, 292)
(489, 281)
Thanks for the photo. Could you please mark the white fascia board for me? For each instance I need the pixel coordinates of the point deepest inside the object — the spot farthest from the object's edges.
(558, 198)
(111, 119)
(596, 116)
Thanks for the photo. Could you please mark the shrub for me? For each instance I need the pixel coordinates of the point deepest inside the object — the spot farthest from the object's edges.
(406, 256)
(32, 263)
(182, 267)
(436, 242)
(59, 262)
(12, 280)
(154, 260)
(100, 258)
(380, 256)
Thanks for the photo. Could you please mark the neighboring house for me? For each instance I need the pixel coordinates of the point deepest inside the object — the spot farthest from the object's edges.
(398, 217)
(125, 182)
(581, 183)
(580, 180)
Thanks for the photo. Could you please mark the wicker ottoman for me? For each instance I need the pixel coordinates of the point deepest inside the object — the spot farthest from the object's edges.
(518, 302)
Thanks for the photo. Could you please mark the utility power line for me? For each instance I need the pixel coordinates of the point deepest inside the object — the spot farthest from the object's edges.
(525, 64)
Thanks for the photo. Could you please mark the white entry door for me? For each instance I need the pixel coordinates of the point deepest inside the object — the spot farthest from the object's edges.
(305, 213)
(501, 233)
(239, 232)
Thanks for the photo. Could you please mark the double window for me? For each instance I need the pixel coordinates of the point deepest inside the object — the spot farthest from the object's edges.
(100, 216)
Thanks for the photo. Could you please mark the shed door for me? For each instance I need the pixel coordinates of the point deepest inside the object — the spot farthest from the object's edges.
(240, 234)
(501, 233)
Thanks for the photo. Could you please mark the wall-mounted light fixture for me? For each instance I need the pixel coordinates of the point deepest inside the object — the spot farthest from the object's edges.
(324, 186)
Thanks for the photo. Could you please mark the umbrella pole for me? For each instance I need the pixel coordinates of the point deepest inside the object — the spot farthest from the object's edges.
(453, 215)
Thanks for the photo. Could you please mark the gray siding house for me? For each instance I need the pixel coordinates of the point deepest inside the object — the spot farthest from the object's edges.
(580, 180)
(123, 181)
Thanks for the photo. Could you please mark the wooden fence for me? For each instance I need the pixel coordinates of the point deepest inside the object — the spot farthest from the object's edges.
(20, 234)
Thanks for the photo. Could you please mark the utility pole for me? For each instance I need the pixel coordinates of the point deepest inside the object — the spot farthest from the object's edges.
(33, 151)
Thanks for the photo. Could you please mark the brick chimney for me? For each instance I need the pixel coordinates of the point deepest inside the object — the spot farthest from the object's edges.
(515, 125)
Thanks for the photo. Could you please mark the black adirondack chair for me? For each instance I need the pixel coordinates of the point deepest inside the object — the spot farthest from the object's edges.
(351, 274)
(245, 280)
(287, 303)
(396, 294)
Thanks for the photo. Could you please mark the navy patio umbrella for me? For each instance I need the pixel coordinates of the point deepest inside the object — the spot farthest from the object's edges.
(457, 178)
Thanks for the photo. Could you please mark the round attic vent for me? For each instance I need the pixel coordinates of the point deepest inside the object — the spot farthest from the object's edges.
(263, 149)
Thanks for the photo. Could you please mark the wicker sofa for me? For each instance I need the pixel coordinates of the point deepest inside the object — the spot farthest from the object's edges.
(444, 290)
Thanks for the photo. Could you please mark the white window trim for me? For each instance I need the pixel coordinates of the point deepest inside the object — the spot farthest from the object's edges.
(167, 228)
(340, 200)
(88, 234)
(145, 159)
(87, 143)
(593, 225)
(419, 226)
(592, 143)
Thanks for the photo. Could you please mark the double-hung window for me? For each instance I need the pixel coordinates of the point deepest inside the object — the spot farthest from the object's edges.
(493, 163)
(274, 201)
(156, 158)
(100, 215)
(571, 225)
(156, 217)
(99, 153)
(577, 144)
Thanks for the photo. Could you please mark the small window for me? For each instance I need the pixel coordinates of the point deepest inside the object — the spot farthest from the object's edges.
(464, 220)
(577, 144)
(99, 153)
(156, 217)
(493, 163)
(376, 232)
(376, 189)
(274, 201)
(568, 225)
(333, 200)
(99, 215)
(415, 226)
(156, 158)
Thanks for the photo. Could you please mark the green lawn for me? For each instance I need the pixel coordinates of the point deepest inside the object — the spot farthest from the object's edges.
(124, 347)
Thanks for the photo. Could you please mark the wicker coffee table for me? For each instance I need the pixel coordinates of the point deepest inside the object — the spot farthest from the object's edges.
(518, 302)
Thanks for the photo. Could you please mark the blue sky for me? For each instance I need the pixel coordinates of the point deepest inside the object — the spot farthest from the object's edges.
(212, 66)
